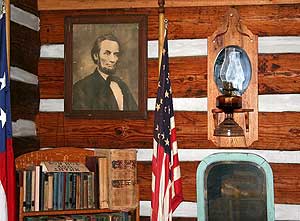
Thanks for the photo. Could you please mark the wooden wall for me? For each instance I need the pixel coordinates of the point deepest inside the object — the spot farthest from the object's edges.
(24, 55)
(279, 74)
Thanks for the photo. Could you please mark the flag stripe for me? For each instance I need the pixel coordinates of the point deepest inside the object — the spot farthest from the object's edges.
(3, 204)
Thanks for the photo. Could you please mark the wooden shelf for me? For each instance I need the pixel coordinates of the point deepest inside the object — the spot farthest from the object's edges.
(67, 212)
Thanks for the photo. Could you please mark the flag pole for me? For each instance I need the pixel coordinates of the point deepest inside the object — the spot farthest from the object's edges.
(161, 30)
(7, 8)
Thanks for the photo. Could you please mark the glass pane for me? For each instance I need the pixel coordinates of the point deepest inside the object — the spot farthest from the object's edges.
(236, 191)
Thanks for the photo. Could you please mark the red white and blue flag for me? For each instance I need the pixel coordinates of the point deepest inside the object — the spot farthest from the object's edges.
(7, 165)
(166, 178)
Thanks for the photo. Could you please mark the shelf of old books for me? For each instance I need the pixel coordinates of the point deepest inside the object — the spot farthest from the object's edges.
(78, 184)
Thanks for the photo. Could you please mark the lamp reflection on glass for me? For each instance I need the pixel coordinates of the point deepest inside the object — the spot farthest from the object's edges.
(232, 79)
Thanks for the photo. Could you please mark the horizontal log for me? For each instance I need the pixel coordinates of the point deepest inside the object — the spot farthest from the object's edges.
(51, 78)
(188, 155)
(190, 23)
(24, 145)
(24, 18)
(24, 100)
(23, 128)
(26, 5)
(25, 48)
(286, 185)
(19, 74)
(189, 210)
(278, 74)
(277, 131)
(103, 4)
(266, 103)
(194, 47)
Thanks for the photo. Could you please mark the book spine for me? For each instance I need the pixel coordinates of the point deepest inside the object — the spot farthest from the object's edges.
(81, 191)
(103, 182)
(51, 190)
(60, 190)
(37, 189)
(24, 190)
(67, 191)
(28, 191)
(85, 190)
(32, 190)
(92, 165)
(55, 191)
(91, 202)
(46, 192)
(73, 191)
(42, 186)
(78, 187)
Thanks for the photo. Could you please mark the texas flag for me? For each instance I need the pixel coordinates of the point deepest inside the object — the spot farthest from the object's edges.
(7, 165)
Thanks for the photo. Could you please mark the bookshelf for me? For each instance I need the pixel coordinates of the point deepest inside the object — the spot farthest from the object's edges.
(62, 154)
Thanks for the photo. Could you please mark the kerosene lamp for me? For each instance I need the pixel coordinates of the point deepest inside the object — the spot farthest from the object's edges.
(230, 79)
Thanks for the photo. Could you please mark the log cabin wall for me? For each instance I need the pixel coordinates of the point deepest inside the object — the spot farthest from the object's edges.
(24, 56)
(190, 22)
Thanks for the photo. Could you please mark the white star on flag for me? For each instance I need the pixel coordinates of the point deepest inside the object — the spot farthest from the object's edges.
(3, 82)
(2, 117)
(167, 142)
(166, 94)
(157, 107)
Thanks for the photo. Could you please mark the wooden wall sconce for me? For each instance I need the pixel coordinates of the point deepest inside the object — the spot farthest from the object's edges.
(232, 84)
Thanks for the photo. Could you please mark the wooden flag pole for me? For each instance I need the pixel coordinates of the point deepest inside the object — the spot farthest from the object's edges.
(161, 29)
(7, 8)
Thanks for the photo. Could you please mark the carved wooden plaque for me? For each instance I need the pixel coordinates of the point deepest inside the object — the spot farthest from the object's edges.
(234, 34)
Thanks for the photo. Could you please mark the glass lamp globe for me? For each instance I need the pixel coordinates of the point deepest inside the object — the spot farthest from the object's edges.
(232, 75)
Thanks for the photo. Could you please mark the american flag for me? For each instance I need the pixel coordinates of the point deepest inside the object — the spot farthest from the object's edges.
(7, 165)
(166, 178)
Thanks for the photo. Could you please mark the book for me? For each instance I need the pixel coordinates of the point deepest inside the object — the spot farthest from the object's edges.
(103, 182)
(73, 191)
(91, 190)
(55, 190)
(78, 187)
(67, 190)
(42, 189)
(85, 191)
(24, 176)
(28, 174)
(50, 191)
(37, 188)
(46, 193)
(60, 191)
(55, 166)
(32, 189)
(93, 166)
(120, 176)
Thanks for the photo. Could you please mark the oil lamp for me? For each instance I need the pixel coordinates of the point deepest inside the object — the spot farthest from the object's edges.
(230, 80)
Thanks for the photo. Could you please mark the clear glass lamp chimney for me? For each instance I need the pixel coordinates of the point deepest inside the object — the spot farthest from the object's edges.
(231, 70)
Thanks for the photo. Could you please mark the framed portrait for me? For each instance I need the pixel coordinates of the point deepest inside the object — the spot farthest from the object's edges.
(106, 66)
